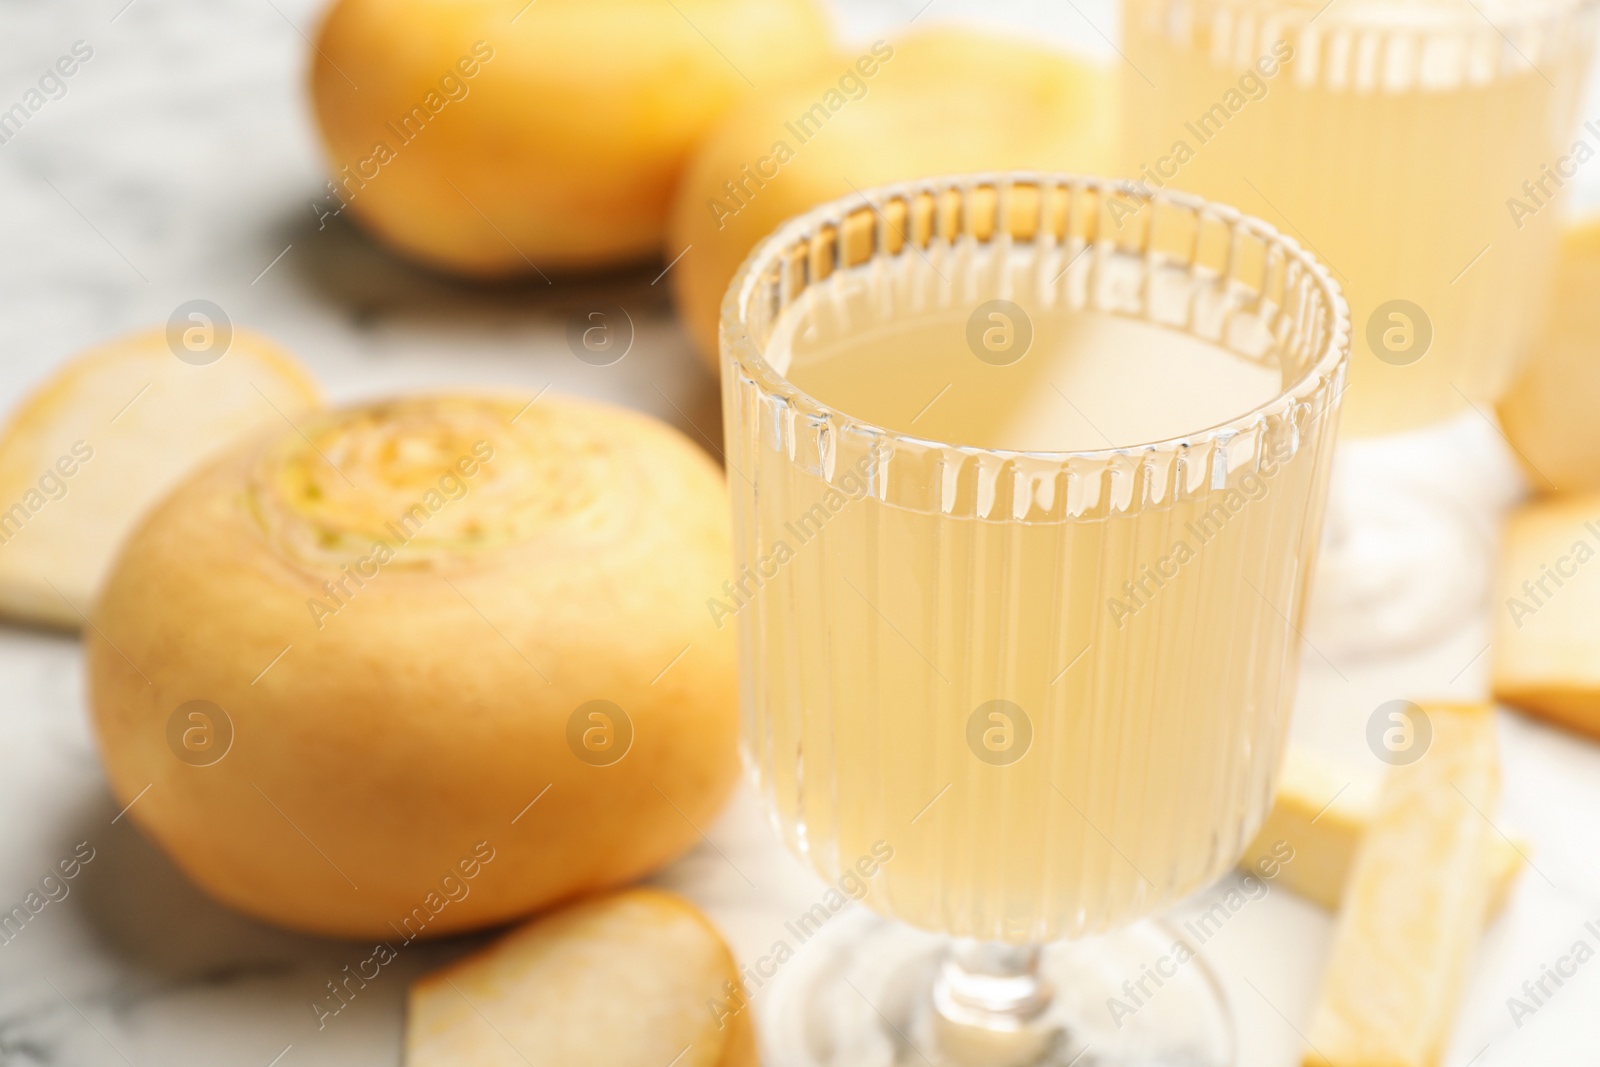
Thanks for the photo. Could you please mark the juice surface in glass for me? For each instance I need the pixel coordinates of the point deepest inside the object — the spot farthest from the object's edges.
(1057, 723)
(1419, 147)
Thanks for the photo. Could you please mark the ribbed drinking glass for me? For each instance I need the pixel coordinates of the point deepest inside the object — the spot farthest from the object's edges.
(1039, 693)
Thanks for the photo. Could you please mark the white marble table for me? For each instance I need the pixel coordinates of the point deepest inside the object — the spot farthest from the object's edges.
(180, 164)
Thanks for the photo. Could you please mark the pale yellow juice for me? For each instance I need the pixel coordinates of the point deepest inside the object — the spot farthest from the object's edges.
(1090, 381)
(1147, 657)
(1417, 149)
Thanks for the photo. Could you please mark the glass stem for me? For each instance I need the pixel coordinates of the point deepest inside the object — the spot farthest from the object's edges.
(990, 985)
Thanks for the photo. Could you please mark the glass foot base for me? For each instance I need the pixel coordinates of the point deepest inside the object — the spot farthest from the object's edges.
(1408, 541)
(860, 993)
(1397, 571)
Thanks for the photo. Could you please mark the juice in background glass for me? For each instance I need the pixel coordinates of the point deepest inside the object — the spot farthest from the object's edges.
(1418, 146)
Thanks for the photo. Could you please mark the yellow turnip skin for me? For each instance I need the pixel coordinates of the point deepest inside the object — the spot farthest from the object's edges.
(493, 138)
(405, 751)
